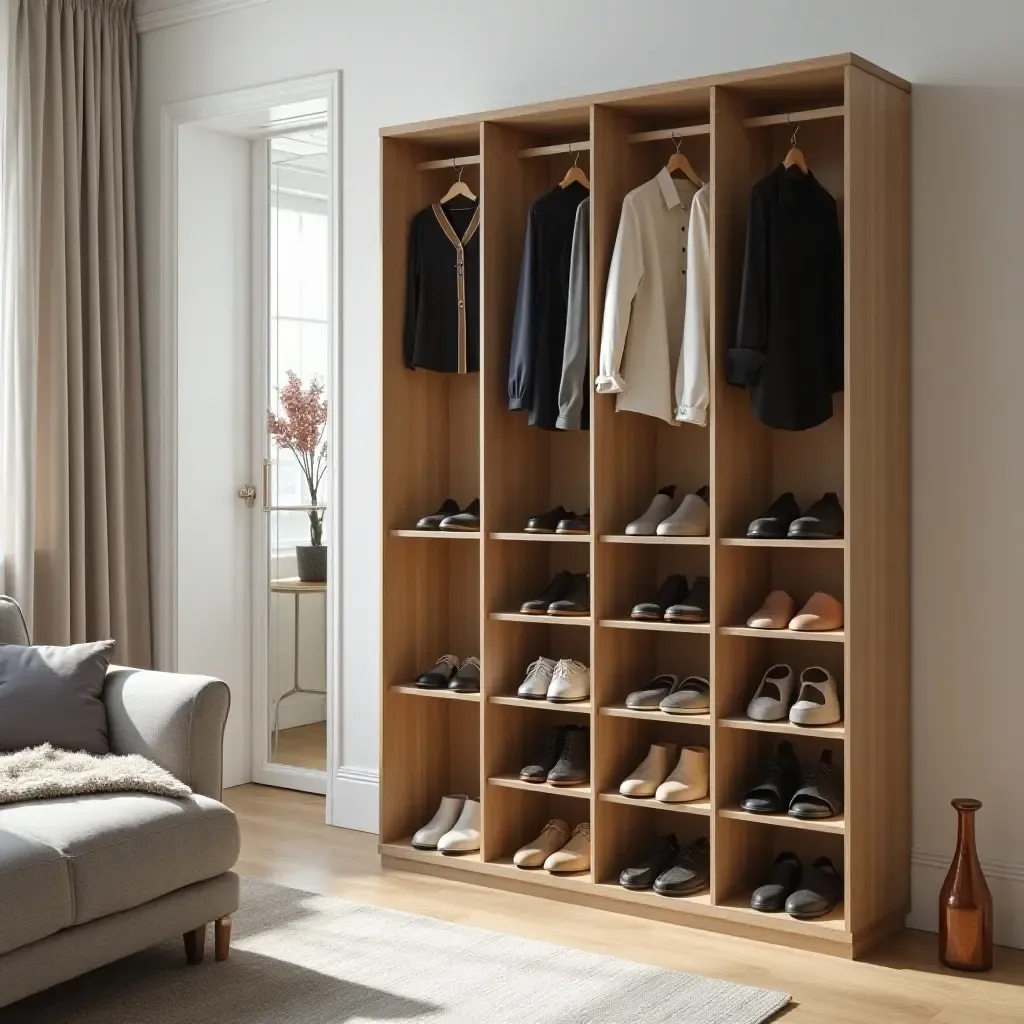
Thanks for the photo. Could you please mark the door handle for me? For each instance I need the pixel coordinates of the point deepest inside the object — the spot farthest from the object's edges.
(248, 495)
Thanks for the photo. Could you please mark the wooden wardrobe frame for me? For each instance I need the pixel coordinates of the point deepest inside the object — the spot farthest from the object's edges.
(460, 593)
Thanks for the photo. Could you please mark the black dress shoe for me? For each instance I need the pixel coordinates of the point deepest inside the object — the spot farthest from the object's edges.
(449, 507)
(783, 877)
(672, 591)
(657, 861)
(547, 521)
(574, 524)
(438, 677)
(690, 874)
(697, 605)
(467, 679)
(559, 587)
(538, 771)
(467, 521)
(822, 521)
(774, 524)
(820, 888)
(577, 599)
(780, 781)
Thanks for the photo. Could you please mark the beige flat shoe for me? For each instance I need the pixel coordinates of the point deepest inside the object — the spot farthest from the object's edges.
(821, 612)
(690, 779)
(553, 836)
(574, 856)
(775, 613)
(652, 771)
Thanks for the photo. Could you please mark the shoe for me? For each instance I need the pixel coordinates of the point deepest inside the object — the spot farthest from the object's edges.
(467, 679)
(773, 524)
(560, 585)
(770, 898)
(691, 697)
(774, 613)
(690, 874)
(651, 696)
(538, 771)
(573, 766)
(781, 778)
(771, 701)
(574, 857)
(467, 521)
(464, 836)
(818, 700)
(553, 836)
(689, 780)
(691, 519)
(538, 678)
(660, 508)
(695, 607)
(672, 590)
(438, 677)
(819, 890)
(655, 862)
(574, 524)
(821, 612)
(822, 521)
(576, 600)
(449, 507)
(547, 521)
(443, 821)
(651, 772)
(820, 794)
(569, 682)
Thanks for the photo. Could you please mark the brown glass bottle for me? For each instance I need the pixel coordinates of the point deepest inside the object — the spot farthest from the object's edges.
(965, 905)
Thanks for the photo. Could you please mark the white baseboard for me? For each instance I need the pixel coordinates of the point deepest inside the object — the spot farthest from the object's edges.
(355, 799)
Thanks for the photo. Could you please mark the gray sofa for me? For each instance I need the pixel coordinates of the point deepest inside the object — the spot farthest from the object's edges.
(87, 880)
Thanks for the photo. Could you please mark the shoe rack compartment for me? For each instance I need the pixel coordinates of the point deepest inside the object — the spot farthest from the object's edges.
(523, 571)
(514, 645)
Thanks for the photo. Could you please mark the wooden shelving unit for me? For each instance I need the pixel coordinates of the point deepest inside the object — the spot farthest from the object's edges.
(452, 435)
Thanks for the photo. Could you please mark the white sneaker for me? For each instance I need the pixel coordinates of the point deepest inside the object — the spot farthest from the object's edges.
(464, 836)
(652, 771)
(690, 779)
(691, 519)
(569, 682)
(660, 508)
(818, 701)
(538, 679)
(774, 695)
(444, 818)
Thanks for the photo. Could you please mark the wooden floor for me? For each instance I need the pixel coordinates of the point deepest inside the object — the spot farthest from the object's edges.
(284, 840)
(305, 746)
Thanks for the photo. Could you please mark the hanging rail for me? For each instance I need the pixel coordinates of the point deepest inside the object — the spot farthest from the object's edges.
(449, 162)
(669, 134)
(562, 147)
(817, 114)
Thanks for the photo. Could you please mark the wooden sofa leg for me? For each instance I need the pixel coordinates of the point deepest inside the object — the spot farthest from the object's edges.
(222, 938)
(195, 945)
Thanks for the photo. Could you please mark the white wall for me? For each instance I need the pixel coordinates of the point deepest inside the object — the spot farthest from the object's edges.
(404, 60)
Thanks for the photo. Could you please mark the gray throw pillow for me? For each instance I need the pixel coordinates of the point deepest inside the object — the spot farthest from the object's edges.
(52, 695)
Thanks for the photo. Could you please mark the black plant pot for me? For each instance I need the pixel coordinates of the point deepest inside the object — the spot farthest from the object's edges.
(312, 559)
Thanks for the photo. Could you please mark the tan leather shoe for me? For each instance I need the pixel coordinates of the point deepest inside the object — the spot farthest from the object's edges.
(553, 836)
(652, 771)
(690, 779)
(574, 856)
(775, 613)
(821, 612)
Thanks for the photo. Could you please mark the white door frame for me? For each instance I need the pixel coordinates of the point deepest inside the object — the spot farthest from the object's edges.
(253, 101)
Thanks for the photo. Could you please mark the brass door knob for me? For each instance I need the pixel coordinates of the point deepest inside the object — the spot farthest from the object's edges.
(248, 495)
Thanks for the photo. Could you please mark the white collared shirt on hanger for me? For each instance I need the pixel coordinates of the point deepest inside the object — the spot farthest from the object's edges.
(654, 335)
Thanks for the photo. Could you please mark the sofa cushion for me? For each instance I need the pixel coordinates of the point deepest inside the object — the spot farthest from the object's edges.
(52, 695)
(125, 849)
(35, 891)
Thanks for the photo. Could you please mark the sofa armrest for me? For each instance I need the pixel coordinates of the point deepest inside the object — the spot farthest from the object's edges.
(173, 719)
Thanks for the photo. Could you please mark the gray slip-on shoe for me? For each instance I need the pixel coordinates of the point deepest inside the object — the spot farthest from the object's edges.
(691, 697)
(651, 696)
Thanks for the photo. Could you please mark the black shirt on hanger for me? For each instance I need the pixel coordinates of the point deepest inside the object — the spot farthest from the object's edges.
(789, 340)
(538, 332)
(442, 308)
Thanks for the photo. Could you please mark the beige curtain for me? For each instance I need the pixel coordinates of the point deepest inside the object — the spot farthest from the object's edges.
(72, 471)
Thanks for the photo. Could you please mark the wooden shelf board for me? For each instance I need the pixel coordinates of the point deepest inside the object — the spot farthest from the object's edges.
(580, 880)
(836, 636)
(621, 538)
(419, 691)
(702, 807)
(621, 711)
(834, 921)
(785, 542)
(514, 782)
(544, 620)
(834, 825)
(550, 538)
(664, 627)
(437, 534)
(404, 848)
(701, 903)
(826, 732)
(581, 707)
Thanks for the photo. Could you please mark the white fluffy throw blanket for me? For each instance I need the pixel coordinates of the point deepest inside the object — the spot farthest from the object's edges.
(38, 773)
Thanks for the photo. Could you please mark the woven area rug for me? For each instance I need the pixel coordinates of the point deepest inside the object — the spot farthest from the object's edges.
(299, 958)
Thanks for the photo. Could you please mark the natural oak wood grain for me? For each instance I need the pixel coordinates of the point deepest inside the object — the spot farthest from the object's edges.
(579, 707)
(418, 691)
(222, 938)
(702, 807)
(622, 538)
(836, 636)
(514, 782)
(550, 538)
(662, 627)
(436, 534)
(542, 620)
(757, 542)
(837, 825)
(621, 711)
(827, 732)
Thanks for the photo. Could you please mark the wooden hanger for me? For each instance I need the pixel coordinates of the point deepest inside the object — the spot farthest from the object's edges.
(795, 158)
(575, 173)
(677, 163)
(459, 188)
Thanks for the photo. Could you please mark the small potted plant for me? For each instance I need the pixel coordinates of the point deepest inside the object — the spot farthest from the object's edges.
(300, 430)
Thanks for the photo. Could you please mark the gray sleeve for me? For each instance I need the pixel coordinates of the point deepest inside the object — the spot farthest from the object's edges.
(577, 325)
